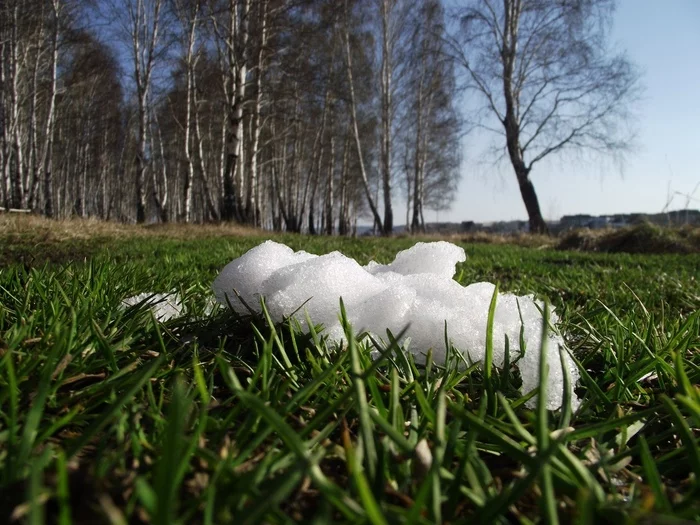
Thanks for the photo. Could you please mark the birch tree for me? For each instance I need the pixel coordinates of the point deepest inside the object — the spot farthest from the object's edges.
(17, 21)
(277, 113)
(188, 13)
(9, 14)
(143, 27)
(355, 123)
(29, 55)
(252, 206)
(548, 80)
(46, 163)
(233, 39)
(89, 133)
(388, 38)
(431, 128)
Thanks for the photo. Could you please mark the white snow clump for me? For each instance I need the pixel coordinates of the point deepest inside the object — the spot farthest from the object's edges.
(416, 289)
(165, 306)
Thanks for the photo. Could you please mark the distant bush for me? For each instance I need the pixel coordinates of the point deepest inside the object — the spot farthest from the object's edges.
(642, 238)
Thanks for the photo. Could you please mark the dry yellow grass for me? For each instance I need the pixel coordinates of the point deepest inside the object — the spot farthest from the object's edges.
(29, 226)
(36, 227)
(528, 240)
(642, 238)
(516, 239)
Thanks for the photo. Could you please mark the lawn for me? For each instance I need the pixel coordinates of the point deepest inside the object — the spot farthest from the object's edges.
(107, 416)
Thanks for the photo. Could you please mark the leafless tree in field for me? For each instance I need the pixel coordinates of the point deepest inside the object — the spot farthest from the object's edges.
(544, 70)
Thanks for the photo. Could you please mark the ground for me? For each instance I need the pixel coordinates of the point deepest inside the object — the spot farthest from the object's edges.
(108, 416)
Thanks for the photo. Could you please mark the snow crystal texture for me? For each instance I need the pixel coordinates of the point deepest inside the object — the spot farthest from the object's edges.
(416, 290)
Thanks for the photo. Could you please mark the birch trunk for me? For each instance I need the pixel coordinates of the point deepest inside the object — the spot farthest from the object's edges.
(511, 123)
(317, 163)
(4, 147)
(144, 27)
(386, 78)
(252, 199)
(238, 53)
(329, 189)
(193, 20)
(16, 190)
(356, 129)
(160, 200)
(141, 159)
(32, 180)
(343, 219)
(416, 223)
(211, 207)
(47, 156)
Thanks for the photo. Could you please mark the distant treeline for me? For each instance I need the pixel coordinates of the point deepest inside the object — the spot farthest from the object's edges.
(297, 115)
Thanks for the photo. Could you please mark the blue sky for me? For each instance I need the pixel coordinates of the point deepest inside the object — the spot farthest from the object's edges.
(662, 38)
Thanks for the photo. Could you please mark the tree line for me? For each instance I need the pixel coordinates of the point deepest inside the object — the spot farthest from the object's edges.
(296, 115)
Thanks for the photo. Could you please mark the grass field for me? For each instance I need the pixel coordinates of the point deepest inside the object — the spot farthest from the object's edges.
(107, 416)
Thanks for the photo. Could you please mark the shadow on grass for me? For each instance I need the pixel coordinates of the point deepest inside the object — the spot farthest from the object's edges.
(34, 252)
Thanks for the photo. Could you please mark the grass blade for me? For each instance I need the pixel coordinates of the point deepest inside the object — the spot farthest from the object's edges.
(133, 386)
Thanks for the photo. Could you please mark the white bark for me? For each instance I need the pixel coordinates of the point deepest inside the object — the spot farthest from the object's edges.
(46, 163)
(386, 87)
(144, 29)
(355, 126)
(189, 18)
(252, 202)
(237, 52)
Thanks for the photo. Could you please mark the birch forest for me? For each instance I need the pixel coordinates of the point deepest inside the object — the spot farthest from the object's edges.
(294, 115)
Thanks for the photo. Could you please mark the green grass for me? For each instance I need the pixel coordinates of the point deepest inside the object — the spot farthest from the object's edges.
(107, 416)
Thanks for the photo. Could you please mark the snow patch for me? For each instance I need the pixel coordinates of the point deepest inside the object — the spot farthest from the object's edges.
(415, 290)
(164, 306)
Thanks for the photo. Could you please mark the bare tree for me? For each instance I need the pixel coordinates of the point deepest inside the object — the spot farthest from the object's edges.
(143, 27)
(46, 163)
(279, 113)
(355, 124)
(89, 130)
(252, 208)
(206, 158)
(234, 51)
(17, 21)
(387, 9)
(188, 14)
(30, 37)
(544, 71)
(429, 126)
(4, 137)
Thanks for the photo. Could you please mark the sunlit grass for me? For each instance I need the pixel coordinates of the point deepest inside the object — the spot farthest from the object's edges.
(108, 415)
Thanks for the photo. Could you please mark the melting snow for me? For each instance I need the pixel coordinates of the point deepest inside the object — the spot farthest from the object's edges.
(415, 290)
(164, 306)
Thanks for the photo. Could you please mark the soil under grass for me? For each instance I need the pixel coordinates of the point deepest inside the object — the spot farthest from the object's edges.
(109, 417)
